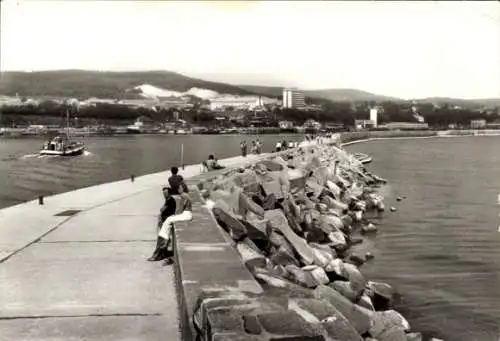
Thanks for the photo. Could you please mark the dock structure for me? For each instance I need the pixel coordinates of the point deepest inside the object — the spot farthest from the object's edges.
(74, 267)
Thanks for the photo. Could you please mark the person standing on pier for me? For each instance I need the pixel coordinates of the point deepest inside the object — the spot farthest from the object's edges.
(243, 147)
(258, 146)
(183, 212)
(254, 147)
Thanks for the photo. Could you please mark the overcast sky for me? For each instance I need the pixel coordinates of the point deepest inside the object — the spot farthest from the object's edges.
(400, 49)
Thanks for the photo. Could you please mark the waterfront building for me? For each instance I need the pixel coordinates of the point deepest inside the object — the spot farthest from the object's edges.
(293, 98)
(312, 124)
(363, 124)
(478, 124)
(374, 116)
(240, 102)
(404, 125)
(285, 124)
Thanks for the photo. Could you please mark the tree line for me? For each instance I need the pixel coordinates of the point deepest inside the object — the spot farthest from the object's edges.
(338, 112)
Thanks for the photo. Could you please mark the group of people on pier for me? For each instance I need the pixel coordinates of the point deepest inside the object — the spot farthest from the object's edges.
(176, 208)
(255, 148)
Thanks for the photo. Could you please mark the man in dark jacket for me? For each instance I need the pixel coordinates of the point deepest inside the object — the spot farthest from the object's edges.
(175, 181)
(167, 210)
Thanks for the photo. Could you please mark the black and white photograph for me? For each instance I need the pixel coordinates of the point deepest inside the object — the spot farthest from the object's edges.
(279, 170)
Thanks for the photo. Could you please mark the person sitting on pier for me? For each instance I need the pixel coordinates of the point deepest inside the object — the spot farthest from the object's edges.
(183, 212)
(278, 146)
(167, 210)
(212, 164)
(175, 181)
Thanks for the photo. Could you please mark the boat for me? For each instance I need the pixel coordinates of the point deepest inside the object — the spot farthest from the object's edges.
(363, 158)
(62, 145)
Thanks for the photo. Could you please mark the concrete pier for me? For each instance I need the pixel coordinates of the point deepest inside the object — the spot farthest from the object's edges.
(75, 267)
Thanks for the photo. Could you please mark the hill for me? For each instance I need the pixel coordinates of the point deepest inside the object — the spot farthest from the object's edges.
(466, 103)
(349, 95)
(336, 95)
(84, 84)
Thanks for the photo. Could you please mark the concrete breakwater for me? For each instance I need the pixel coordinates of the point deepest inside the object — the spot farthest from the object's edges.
(275, 252)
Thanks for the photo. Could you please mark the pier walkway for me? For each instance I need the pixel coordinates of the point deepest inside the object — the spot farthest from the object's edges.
(75, 268)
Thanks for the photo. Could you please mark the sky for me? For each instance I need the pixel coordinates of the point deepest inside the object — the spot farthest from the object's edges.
(402, 49)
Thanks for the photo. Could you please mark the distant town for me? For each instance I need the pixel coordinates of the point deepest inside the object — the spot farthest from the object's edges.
(201, 111)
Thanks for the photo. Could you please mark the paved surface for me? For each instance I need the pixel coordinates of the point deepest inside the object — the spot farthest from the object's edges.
(84, 276)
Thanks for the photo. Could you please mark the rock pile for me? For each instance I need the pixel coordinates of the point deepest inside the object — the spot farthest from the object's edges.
(292, 219)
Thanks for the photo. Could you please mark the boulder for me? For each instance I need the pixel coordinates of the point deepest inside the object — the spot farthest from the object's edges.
(337, 240)
(250, 257)
(337, 326)
(388, 322)
(392, 334)
(324, 248)
(370, 227)
(259, 231)
(233, 336)
(334, 188)
(382, 294)
(285, 324)
(356, 279)
(272, 165)
(366, 302)
(278, 221)
(314, 187)
(414, 337)
(336, 267)
(332, 223)
(210, 299)
(344, 288)
(356, 259)
(301, 277)
(318, 274)
(358, 317)
(283, 256)
(233, 226)
(321, 257)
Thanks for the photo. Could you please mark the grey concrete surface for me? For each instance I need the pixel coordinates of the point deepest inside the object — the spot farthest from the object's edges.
(97, 328)
(88, 278)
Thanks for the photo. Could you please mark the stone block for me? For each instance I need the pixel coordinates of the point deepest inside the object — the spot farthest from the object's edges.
(414, 337)
(386, 320)
(358, 317)
(356, 279)
(381, 294)
(289, 323)
(279, 222)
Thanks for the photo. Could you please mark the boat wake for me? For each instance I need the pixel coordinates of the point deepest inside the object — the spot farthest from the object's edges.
(28, 156)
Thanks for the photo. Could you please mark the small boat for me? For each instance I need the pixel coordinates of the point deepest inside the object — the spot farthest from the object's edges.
(363, 158)
(62, 145)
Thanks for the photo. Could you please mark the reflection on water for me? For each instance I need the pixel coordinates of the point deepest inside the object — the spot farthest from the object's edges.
(441, 248)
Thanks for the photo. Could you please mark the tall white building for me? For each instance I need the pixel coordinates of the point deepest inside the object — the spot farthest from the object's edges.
(293, 98)
(374, 116)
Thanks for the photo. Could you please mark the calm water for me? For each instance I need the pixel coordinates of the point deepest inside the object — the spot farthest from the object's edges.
(441, 248)
(24, 176)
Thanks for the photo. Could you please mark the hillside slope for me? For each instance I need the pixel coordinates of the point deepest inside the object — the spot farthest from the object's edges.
(84, 84)
(337, 95)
